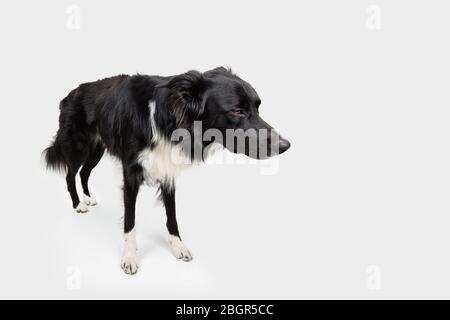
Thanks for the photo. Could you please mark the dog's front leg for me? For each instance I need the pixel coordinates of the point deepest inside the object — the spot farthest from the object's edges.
(132, 178)
(179, 250)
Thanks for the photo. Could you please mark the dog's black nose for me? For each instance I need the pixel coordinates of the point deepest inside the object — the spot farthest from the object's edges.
(284, 145)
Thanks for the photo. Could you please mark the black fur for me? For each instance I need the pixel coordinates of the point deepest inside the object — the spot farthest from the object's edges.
(113, 114)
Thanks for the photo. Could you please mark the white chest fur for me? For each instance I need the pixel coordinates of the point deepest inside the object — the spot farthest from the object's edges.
(163, 163)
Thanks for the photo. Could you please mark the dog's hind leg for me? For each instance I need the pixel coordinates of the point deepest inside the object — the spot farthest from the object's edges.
(179, 250)
(74, 152)
(94, 157)
(71, 187)
(132, 177)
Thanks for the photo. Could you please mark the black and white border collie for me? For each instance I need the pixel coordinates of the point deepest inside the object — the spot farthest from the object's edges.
(157, 126)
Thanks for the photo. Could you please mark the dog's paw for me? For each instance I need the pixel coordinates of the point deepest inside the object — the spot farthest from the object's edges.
(90, 201)
(178, 249)
(81, 208)
(129, 265)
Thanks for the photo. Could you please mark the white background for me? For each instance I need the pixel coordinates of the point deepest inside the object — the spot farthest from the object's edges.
(359, 207)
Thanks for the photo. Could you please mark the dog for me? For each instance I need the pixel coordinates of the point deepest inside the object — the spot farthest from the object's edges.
(140, 120)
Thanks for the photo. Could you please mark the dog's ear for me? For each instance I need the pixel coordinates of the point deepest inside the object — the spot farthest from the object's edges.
(186, 96)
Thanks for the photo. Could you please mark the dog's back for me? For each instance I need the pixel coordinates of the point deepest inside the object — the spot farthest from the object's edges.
(92, 110)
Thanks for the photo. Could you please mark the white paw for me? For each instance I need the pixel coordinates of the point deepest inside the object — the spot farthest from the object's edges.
(90, 201)
(129, 264)
(178, 249)
(81, 208)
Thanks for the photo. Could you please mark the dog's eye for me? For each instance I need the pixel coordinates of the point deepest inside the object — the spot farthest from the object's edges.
(238, 112)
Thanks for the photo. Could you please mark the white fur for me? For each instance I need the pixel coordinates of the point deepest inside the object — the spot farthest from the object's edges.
(98, 139)
(129, 260)
(81, 208)
(179, 250)
(155, 133)
(90, 201)
(165, 161)
(212, 149)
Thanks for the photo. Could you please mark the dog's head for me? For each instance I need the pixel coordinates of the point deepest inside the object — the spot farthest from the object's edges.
(228, 108)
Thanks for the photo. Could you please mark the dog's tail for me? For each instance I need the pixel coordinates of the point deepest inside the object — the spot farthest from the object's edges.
(54, 158)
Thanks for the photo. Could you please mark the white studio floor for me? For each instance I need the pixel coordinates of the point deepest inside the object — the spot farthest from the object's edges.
(251, 240)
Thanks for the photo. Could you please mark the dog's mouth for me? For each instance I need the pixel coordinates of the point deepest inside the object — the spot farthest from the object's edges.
(257, 144)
